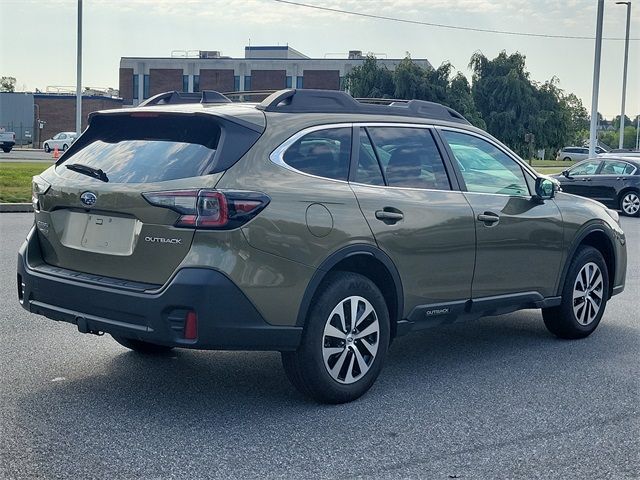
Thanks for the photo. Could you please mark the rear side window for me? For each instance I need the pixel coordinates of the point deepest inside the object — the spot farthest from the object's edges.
(152, 148)
(612, 167)
(409, 157)
(323, 153)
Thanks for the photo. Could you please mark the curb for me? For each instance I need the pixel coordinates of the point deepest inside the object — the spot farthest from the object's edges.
(16, 208)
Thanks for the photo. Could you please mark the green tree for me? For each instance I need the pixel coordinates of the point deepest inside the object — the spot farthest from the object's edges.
(436, 85)
(7, 84)
(505, 97)
(616, 122)
(370, 80)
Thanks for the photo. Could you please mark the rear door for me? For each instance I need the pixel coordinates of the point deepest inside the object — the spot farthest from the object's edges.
(93, 218)
(417, 215)
(519, 240)
(611, 179)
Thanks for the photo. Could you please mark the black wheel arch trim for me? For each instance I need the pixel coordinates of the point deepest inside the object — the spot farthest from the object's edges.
(335, 258)
(577, 241)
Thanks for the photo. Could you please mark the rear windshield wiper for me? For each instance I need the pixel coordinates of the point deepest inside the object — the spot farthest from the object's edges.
(87, 170)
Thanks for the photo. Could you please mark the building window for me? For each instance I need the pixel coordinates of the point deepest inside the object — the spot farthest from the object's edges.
(145, 87)
(236, 83)
(196, 83)
(136, 86)
(247, 83)
(185, 83)
(299, 82)
(288, 82)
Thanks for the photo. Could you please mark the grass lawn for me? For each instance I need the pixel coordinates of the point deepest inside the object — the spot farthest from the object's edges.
(15, 180)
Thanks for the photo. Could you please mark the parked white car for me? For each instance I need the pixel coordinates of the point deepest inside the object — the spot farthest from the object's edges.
(577, 154)
(63, 140)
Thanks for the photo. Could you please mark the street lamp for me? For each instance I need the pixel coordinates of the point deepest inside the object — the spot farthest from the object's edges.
(593, 131)
(79, 73)
(624, 74)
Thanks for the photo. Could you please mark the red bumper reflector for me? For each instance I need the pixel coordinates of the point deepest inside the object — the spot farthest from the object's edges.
(191, 326)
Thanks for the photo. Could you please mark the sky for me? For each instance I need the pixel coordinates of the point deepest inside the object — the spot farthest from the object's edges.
(38, 38)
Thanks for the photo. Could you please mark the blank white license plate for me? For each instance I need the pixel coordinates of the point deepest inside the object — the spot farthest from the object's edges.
(98, 233)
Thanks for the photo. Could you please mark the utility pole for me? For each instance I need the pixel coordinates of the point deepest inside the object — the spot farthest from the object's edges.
(79, 73)
(638, 133)
(593, 136)
(624, 72)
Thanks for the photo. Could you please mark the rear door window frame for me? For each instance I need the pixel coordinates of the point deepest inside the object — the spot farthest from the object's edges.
(355, 152)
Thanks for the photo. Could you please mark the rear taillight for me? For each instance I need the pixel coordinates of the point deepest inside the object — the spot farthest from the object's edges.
(210, 209)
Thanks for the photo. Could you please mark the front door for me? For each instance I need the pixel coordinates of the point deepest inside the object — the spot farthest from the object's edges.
(417, 215)
(579, 180)
(519, 239)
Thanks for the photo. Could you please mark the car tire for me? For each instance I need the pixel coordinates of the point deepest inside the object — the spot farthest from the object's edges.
(6, 150)
(567, 159)
(64, 147)
(47, 149)
(584, 296)
(342, 367)
(141, 347)
(630, 203)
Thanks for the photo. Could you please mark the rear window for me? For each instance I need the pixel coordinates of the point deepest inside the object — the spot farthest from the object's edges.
(146, 148)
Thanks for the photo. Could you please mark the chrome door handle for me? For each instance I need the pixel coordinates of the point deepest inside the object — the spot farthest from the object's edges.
(489, 218)
(384, 215)
(389, 215)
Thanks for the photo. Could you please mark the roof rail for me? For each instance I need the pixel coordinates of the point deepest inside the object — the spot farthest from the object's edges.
(334, 101)
(174, 98)
(248, 95)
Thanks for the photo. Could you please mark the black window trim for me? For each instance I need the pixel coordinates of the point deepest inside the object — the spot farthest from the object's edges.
(528, 173)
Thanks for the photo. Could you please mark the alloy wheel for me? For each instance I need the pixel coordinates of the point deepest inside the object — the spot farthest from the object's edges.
(350, 339)
(588, 293)
(631, 203)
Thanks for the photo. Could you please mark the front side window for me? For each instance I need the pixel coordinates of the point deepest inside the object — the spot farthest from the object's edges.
(323, 153)
(485, 168)
(585, 168)
(409, 157)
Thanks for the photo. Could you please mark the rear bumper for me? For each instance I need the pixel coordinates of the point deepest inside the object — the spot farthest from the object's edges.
(227, 320)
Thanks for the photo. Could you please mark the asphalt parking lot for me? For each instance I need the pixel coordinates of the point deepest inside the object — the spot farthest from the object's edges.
(498, 398)
(27, 155)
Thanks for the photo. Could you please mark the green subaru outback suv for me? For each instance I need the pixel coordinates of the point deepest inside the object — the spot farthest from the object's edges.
(312, 224)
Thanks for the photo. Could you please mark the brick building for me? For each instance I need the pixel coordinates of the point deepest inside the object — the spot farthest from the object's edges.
(59, 111)
(262, 68)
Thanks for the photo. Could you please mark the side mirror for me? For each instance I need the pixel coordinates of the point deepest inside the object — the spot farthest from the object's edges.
(546, 188)
(566, 173)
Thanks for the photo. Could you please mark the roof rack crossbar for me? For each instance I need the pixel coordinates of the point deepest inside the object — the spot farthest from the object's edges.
(334, 101)
(175, 98)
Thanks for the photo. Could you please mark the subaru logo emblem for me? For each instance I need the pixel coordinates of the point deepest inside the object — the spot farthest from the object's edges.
(88, 198)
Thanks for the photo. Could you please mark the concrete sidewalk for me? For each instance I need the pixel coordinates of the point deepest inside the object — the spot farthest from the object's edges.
(15, 207)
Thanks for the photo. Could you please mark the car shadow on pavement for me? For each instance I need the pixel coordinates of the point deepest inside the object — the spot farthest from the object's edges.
(198, 380)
